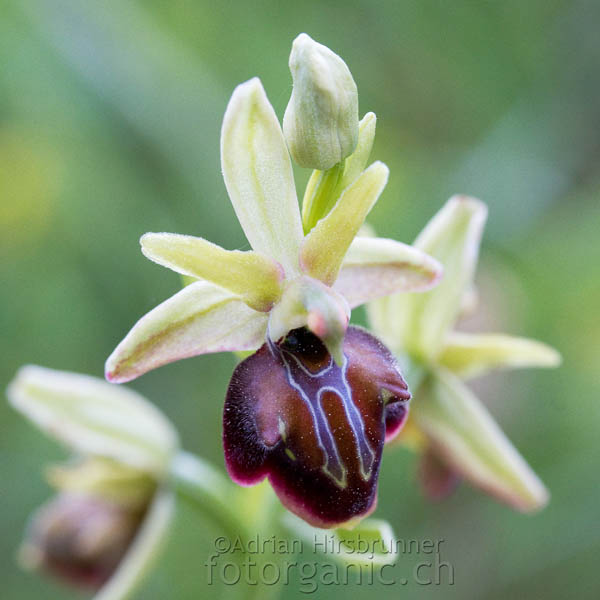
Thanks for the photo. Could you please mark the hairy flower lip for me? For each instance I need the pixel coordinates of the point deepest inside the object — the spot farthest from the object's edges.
(314, 429)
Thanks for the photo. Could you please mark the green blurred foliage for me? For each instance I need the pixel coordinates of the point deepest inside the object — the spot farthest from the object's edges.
(109, 127)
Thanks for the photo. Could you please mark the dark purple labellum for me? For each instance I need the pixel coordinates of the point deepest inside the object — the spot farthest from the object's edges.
(81, 539)
(314, 428)
(438, 480)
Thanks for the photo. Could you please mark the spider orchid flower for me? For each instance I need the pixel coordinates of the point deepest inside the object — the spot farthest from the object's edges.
(113, 507)
(311, 409)
(454, 431)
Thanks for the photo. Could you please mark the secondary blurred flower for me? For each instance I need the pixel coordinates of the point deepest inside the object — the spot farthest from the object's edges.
(313, 402)
(448, 424)
(112, 509)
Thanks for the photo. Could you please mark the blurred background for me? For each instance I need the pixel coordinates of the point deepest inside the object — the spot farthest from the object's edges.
(110, 114)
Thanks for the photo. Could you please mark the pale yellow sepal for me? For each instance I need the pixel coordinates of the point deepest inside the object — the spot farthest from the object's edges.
(95, 418)
(469, 355)
(258, 175)
(464, 435)
(324, 248)
(375, 267)
(419, 323)
(250, 275)
(200, 319)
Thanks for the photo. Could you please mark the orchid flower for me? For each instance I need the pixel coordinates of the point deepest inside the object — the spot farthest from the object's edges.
(455, 432)
(115, 496)
(311, 409)
(113, 506)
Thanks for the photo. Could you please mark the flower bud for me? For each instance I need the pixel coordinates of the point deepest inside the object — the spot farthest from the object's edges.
(80, 538)
(321, 119)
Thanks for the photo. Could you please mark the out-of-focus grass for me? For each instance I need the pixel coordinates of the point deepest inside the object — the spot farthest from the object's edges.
(109, 127)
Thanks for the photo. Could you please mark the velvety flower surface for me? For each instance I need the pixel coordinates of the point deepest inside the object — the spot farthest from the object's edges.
(314, 428)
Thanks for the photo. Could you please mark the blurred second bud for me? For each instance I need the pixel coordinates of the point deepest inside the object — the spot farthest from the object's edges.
(321, 119)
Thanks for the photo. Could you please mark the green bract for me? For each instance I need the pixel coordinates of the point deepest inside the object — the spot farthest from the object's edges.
(451, 423)
(369, 542)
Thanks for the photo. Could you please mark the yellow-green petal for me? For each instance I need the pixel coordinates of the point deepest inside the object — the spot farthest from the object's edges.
(254, 277)
(95, 418)
(375, 267)
(469, 355)
(463, 434)
(325, 187)
(324, 248)
(258, 175)
(200, 319)
(371, 541)
(375, 534)
(355, 164)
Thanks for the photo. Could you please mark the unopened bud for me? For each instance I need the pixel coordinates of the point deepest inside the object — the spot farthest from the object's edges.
(79, 538)
(321, 120)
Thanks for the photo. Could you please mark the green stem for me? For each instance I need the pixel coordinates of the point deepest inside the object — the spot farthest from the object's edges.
(321, 195)
(205, 487)
(240, 513)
